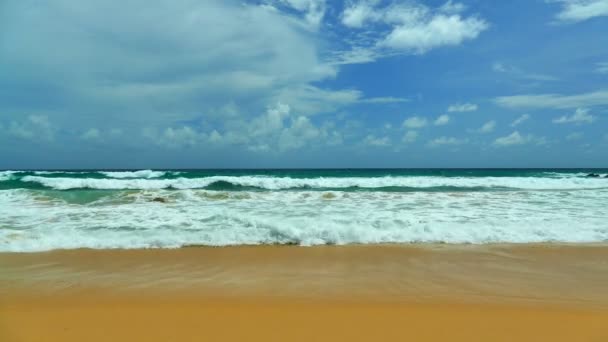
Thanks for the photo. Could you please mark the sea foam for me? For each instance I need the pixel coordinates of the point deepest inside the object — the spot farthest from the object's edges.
(34, 221)
(282, 183)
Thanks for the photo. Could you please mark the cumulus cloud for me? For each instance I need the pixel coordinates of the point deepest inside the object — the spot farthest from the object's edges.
(406, 28)
(446, 141)
(91, 134)
(580, 10)
(415, 122)
(372, 140)
(487, 127)
(442, 120)
(580, 116)
(171, 62)
(516, 138)
(358, 13)
(314, 10)
(424, 34)
(34, 128)
(575, 136)
(462, 107)
(520, 120)
(410, 137)
(602, 68)
(554, 101)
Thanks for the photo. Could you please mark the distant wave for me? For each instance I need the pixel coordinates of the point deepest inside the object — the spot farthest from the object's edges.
(134, 174)
(122, 181)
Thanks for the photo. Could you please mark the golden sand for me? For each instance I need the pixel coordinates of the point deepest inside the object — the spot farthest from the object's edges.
(355, 293)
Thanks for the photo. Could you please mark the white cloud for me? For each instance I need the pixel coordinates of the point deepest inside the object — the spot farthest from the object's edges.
(516, 138)
(298, 134)
(314, 10)
(555, 101)
(575, 136)
(382, 100)
(357, 14)
(513, 71)
(602, 68)
(449, 141)
(451, 7)
(520, 120)
(34, 127)
(512, 139)
(404, 28)
(488, 127)
(580, 116)
(372, 140)
(173, 61)
(415, 122)
(462, 107)
(442, 120)
(410, 137)
(579, 10)
(429, 33)
(91, 134)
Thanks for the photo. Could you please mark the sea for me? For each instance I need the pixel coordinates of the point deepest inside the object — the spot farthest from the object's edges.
(105, 209)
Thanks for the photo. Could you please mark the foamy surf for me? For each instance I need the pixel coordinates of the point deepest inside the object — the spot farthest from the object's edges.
(166, 209)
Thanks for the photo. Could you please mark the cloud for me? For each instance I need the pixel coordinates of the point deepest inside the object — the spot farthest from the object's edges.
(34, 128)
(404, 28)
(314, 10)
(410, 137)
(446, 141)
(602, 68)
(580, 116)
(580, 10)
(440, 30)
(442, 120)
(276, 130)
(160, 63)
(502, 68)
(415, 122)
(383, 100)
(575, 136)
(372, 140)
(516, 138)
(512, 139)
(520, 120)
(554, 101)
(486, 128)
(462, 107)
(357, 14)
(91, 134)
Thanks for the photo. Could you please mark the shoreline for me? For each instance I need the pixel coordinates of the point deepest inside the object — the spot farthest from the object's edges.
(394, 292)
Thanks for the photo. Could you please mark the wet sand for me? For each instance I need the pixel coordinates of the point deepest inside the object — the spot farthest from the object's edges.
(359, 293)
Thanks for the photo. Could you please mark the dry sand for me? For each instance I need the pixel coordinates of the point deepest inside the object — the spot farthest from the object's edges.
(355, 293)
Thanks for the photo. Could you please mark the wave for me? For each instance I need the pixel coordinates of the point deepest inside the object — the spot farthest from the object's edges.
(34, 221)
(134, 174)
(341, 183)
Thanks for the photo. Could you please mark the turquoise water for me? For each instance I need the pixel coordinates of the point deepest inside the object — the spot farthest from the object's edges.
(44, 210)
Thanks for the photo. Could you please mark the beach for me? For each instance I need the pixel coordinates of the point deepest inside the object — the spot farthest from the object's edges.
(431, 292)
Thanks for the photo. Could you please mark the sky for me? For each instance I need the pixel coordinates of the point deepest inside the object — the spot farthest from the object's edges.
(303, 83)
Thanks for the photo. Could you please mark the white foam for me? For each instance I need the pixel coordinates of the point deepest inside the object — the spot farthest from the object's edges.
(278, 183)
(130, 219)
(133, 174)
(6, 175)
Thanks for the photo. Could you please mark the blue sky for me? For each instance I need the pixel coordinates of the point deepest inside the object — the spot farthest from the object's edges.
(303, 83)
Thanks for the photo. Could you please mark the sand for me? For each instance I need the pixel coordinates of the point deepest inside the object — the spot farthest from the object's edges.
(333, 293)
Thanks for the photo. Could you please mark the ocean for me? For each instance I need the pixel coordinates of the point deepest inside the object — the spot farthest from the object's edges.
(47, 210)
